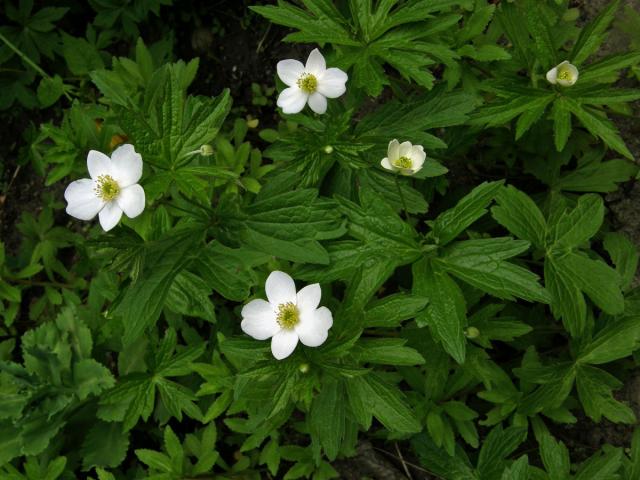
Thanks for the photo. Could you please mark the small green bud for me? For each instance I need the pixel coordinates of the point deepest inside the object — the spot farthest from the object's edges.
(252, 122)
(304, 368)
(472, 332)
(328, 149)
(206, 150)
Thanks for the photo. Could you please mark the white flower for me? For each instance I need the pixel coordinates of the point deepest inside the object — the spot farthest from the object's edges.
(288, 316)
(111, 190)
(564, 74)
(404, 157)
(312, 83)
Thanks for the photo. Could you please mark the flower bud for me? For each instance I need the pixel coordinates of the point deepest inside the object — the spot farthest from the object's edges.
(471, 332)
(328, 149)
(206, 150)
(304, 368)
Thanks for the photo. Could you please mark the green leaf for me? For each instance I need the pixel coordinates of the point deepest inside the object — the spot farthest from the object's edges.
(50, 89)
(595, 389)
(624, 255)
(449, 224)
(498, 445)
(617, 340)
(567, 300)
(189, 295)
(519, 470)
(386, 351)
(327, 417)
(143, 301)
(577, 226)
(561, 123)
(155, 460)
(229, 271)
(600, 466)
(599, 126)
(385, 402)
(91, 378)
(600, 177)
(480, 263)
(81, 56)
(540, 30)
(289, 225)
(593, 34)
(450, 467)
(556, 385)
(170, 125)
(595, 278)
(390, 311)
(105, 445)
(555, 457)
(520, 215)
(446, 311)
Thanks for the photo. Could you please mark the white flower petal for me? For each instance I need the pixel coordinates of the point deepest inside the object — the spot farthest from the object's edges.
(280, 288)
(405, 149)
(284, 343)
(313, 328)
(131, 200)
(259, 320)
(393, 151)
(290, 71)
(308, 298)
(332, 83)
(552, 75)
(573, 75)
(110, 216)
(292, 100)
(315, 63)
(418, 155)
(387, 164)
(82, 202)
(126, 165)
(318, 103)
(98, 164)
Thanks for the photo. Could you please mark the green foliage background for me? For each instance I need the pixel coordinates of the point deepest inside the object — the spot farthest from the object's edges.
(474, 318)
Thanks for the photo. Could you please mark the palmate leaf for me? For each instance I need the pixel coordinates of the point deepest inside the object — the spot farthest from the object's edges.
(142, 303)
(168, 125)
(135, 395)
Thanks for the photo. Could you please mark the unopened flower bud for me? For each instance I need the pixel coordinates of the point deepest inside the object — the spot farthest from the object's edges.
(206, 150)
(304, 368)
(472, 332)
(328, 149)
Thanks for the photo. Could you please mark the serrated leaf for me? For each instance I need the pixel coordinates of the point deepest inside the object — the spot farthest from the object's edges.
(446, 311)
(449, 224)
(105, 445)
(595, 389)
(520, 215)
(327, 417)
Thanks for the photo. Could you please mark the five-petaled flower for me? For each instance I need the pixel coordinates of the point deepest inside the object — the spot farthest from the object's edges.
(288, 316)
(112, 189)
(312, 83)
(404, 157)
(564, 74)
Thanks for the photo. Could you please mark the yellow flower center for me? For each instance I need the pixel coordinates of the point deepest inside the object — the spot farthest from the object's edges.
(288, 315)
(308, 83)
(564, 75)
(107, 188)
(403, 162)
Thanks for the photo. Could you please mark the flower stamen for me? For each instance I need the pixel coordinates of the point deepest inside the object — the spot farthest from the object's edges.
(107, 188)
(288, 315)
(403, 162)
(308, 83)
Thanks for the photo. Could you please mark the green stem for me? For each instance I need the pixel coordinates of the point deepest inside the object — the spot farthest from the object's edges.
(29, 62)
(404, 205)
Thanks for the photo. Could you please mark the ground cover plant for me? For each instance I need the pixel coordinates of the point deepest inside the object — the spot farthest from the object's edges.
(319, 239)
